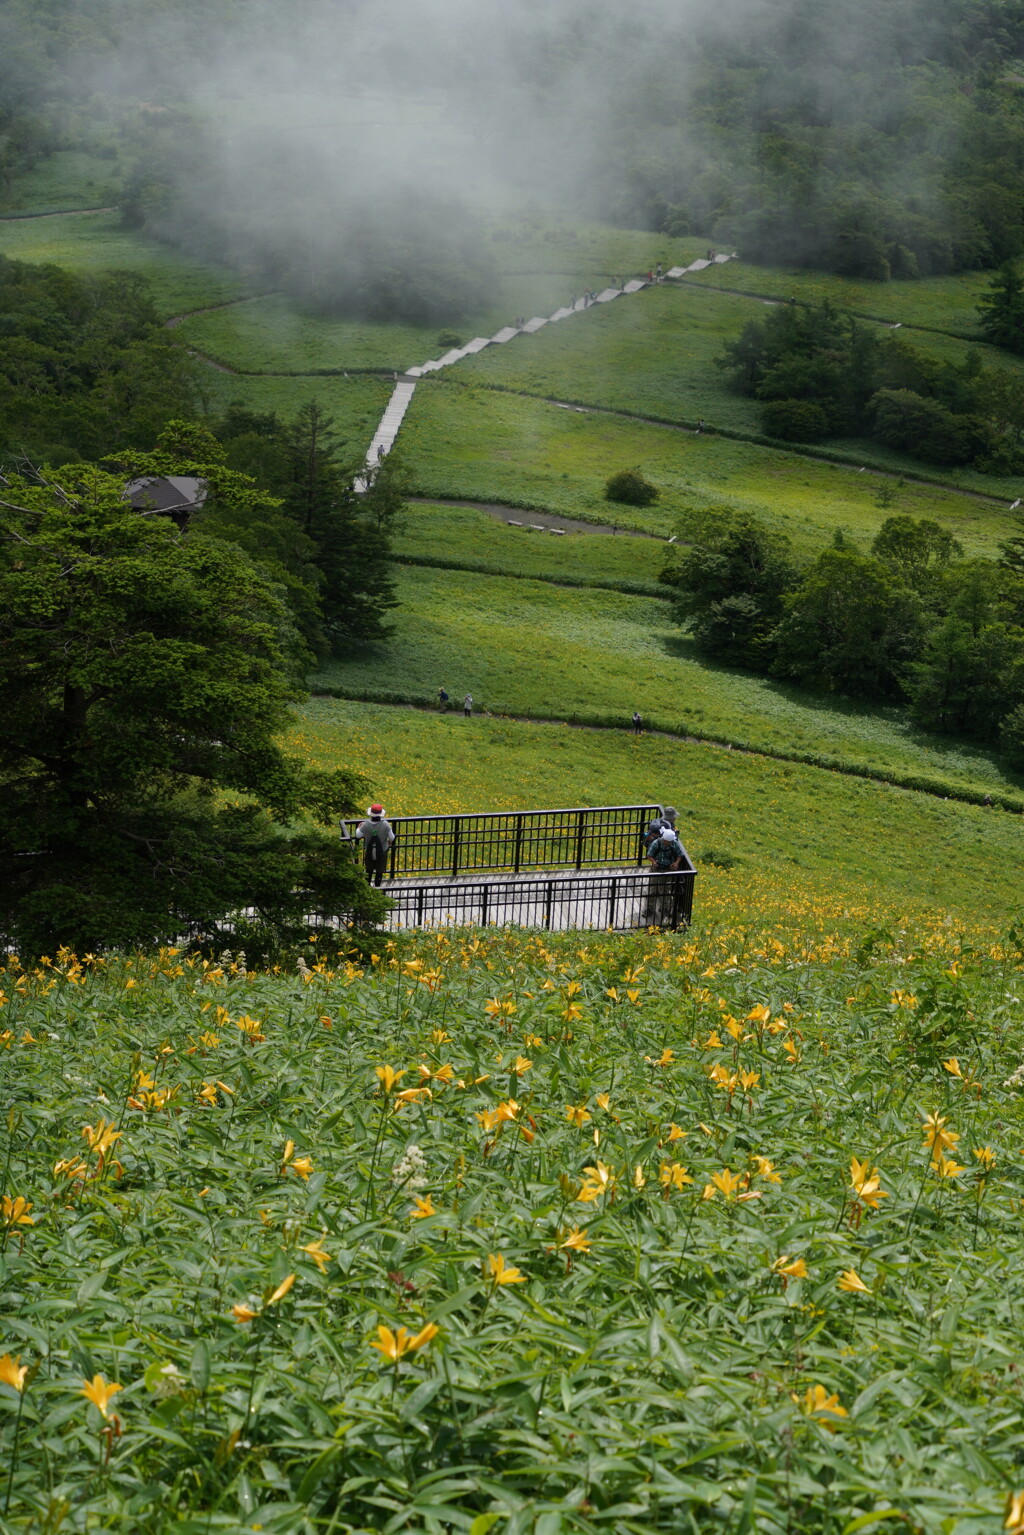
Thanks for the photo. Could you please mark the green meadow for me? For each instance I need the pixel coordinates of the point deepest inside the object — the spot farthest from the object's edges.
(95, 242)
(939, 303)
(771, 823)
(486, 445)
(71, 178)
(465, 536)
(526, 647)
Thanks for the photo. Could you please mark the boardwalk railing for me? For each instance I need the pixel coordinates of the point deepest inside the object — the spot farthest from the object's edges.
(518, 840)
(609, 899)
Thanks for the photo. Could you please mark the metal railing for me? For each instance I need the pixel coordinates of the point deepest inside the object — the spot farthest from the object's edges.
(610, 899)
(517, 840)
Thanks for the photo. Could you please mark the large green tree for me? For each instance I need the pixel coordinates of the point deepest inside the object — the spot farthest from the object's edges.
(852, 626)
(144, 790)
(1001, 310)
(729, 589)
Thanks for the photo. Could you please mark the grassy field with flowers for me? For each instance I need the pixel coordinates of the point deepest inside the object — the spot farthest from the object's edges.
(519, 1233)
(777, 826)
(527, 647)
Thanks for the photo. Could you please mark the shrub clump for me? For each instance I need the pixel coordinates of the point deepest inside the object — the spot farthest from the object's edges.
(630, 488)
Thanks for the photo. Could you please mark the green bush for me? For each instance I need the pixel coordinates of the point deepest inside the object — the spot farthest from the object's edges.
(795, 420)
(630, 488)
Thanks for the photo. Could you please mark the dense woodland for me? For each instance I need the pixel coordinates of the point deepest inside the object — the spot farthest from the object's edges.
(818, 373)
(879, 140)
(912, 621)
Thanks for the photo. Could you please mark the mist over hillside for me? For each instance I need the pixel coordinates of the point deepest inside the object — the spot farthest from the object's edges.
(352, 152)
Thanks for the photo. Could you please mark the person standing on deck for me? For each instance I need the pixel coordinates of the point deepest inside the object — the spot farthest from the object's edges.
(377, 837)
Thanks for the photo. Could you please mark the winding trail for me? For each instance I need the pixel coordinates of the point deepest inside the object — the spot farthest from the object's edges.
(939, 791)
(539, 521)
(52, 213)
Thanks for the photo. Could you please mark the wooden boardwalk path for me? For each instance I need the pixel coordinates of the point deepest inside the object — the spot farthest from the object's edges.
(391, 421)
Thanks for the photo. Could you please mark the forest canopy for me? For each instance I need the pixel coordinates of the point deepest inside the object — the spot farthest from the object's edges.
(880, 140)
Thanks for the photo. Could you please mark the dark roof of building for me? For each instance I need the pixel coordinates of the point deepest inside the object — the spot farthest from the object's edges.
(166, 493)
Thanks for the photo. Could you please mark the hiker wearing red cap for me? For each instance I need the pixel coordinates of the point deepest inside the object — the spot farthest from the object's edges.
(377, 837)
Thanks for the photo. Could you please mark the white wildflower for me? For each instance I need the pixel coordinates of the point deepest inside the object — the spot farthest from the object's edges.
(409, 1172)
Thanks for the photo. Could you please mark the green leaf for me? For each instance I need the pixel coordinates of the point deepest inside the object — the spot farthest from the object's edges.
(200, 1367)
(874, 1518)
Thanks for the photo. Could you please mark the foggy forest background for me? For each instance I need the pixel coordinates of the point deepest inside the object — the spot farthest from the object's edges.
(351, 153)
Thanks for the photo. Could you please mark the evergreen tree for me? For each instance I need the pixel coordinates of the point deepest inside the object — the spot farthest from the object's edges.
(144, 792)
(1001, 311)
(851, 627)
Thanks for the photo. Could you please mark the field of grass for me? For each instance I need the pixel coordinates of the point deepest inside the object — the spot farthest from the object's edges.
(69, 179)
(539, 275)
(531, 1234)
(485, 445)
(95, 242)
(654, 354)
(524, 647)
(355, 404)
(475, 539)
(943, 303)
(270, 335)
(529, 245)
(784, 828)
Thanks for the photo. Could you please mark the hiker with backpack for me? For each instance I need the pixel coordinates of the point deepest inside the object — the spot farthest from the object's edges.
(665, 856)
(665, 819)
(378, 837)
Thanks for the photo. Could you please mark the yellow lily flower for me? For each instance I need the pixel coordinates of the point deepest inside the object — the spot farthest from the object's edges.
(101, 1137)
(499, 1272)
(816, 1402)
(953, 1067)
(790, 1268)
(422, 1207)
(712, 1042)
(282, 1290)
(100, 1393)
(766, 1169)
(13, 1372)
(577, 1115)
(937, 1138)
(14, 1212)
(728, 1182)
(387, 1077)
(316, 1251)
(244, 1314)
(945, 1167)
(864, 1180)
(639, 1181)
(1014, 1521)
(672, 1176)
(986, 1156)
(852, 1284)
(393, 1345)
(576, 1241)
(675, 1134)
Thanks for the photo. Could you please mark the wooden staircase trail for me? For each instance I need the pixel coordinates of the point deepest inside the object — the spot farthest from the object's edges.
(405, 387)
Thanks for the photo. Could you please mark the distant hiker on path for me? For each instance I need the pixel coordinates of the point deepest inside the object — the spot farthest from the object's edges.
(467, 705)
(658, 271)
(638, 723)
(442, 700)
(377, 837)
(700, 425)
